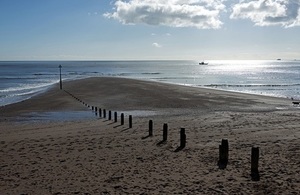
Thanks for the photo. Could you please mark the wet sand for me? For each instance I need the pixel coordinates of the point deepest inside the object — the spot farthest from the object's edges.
(97, 156)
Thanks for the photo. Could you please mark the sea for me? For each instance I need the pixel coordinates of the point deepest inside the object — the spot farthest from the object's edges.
(20, 80)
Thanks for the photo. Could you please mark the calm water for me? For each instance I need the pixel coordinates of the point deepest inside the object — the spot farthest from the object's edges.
(21, 80)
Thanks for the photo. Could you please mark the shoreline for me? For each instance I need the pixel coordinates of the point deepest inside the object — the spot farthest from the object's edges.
(44, 90)
(53, 87)
(213, 88)
(100, 156)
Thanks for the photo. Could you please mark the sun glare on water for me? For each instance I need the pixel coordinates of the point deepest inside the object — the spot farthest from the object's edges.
(239, 65)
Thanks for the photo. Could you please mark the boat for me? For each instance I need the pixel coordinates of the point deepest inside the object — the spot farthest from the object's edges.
(203, 63)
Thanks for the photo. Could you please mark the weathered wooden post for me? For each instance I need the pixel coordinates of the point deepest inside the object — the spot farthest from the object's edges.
(109, 115)
(130, 121)
(254, 163)
(165, 135)
(182, 138)
(104, 113)
(96, 111)
(116, 117)
(100, 112)
(165, 132)
(225, 146)
(122, 119)
(223, 154)
(92, 108)
(150, 128)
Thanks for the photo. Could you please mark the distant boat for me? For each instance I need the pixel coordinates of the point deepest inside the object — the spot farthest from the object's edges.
(278, 59)
(203, 63)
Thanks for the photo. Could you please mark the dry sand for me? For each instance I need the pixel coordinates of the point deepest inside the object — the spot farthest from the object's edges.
(98, 156)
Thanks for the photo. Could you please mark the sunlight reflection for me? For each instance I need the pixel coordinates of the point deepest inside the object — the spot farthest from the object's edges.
(239, 65)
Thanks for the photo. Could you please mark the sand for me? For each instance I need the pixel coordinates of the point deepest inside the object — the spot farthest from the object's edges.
(93, 155)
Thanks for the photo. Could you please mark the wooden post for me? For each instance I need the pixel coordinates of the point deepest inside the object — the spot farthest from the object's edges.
(130, 121)
(116, 117)
(223, 154)
(109, 115)
(104, 113)
(165, 132)
(93, 108)
(150, 128)
(225, 146)
(122, 119)
(182, 138)
(96, 111)
(254, 163)
(100, 112)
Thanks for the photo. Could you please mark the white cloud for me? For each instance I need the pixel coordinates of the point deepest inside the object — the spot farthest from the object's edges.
(202, 14)
(156, 45)
(285, 13)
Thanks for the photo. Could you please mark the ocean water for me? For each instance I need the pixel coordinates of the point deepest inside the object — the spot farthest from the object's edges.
(20, 80)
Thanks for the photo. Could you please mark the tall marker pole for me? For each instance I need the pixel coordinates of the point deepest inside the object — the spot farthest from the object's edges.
(60, 82)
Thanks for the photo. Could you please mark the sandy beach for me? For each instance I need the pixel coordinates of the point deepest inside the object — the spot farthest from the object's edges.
(95, 155)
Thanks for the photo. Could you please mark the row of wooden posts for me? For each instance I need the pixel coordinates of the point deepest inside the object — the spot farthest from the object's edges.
(102, 114)
(223, 148)
(110, 115)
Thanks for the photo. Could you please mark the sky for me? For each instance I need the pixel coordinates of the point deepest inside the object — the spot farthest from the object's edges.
(149, 29)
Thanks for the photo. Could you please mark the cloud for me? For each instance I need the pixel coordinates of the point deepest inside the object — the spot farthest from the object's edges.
(285, 13)
(156, 45)
(201, 14)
